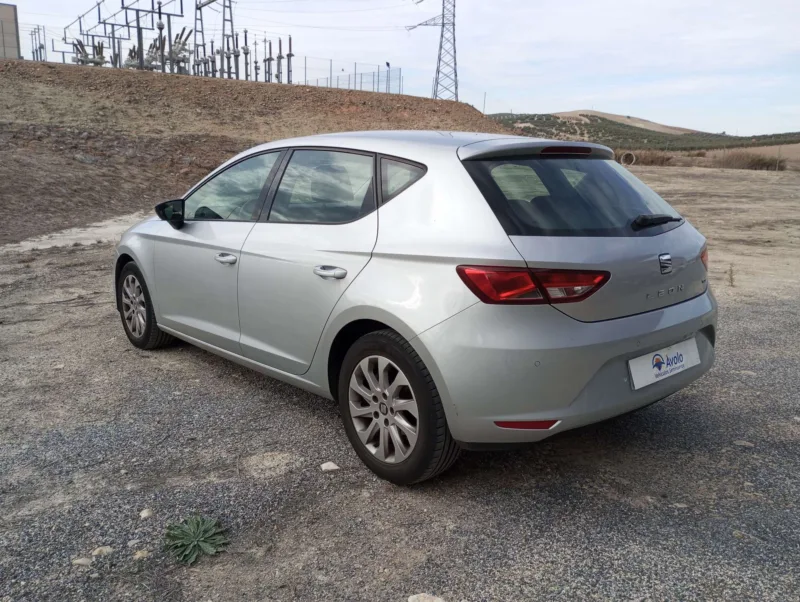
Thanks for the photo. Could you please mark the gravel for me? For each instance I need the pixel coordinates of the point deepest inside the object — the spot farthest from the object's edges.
(103, 445)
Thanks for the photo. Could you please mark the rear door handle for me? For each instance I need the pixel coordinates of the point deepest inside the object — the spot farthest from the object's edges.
(330, 271)
(226, 258)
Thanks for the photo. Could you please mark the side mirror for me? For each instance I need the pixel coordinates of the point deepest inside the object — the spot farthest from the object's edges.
(172, 212)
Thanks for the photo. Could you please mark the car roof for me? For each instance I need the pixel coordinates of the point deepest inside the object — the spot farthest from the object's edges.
(389, 138)
(424, 145)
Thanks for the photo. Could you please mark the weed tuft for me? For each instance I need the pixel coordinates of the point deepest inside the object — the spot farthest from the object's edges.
(194, 537)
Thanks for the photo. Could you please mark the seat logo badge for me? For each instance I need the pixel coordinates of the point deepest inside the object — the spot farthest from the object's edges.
(665, 261)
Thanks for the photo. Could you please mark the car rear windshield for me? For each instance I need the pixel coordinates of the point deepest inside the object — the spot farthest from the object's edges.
(562, 196)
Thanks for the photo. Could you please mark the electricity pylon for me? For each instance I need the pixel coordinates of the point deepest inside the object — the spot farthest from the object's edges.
(445, 86)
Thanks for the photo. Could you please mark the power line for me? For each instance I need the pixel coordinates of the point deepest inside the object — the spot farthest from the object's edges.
(320, 12)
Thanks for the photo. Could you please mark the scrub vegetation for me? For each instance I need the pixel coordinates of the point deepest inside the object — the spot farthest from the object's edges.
(620, 135)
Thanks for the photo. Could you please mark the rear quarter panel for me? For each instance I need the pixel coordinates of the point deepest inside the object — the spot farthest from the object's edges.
(411, 284)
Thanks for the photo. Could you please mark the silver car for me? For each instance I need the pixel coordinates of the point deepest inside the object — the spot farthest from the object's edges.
(448, 290)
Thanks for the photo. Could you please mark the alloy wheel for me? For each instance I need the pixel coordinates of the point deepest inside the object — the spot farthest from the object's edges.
(134, 307)
(383, 409)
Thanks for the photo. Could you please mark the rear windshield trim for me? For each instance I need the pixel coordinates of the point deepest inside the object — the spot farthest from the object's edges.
(514, 226)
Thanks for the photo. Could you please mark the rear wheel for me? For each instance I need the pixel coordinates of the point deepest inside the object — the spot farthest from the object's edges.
(392, 412)
(136, 310)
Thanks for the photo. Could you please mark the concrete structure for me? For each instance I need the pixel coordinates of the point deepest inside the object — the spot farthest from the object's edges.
(9, 32)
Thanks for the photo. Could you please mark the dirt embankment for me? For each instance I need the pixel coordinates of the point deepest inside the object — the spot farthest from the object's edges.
(80, 145)
(143, 103)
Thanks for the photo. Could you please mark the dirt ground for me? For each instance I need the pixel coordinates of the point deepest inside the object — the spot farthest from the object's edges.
(693, 498)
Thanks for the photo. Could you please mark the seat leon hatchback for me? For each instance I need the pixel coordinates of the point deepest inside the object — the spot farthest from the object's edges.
(448, 290)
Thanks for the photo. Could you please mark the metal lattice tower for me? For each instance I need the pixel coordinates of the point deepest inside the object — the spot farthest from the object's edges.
(227, 31)
(445, 86)
(200, 35)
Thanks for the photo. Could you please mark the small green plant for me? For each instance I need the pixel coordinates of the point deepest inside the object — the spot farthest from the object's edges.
(194, 537)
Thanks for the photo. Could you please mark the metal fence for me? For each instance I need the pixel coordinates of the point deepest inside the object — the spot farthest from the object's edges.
(389, 81)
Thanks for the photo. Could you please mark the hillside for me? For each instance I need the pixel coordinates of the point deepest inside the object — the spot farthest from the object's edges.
(582, 116)
(103, 142)
(620, 134)
(147, 103)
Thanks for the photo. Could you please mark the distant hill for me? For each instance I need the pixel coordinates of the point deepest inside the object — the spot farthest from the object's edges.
(626, 132)
(583, 117)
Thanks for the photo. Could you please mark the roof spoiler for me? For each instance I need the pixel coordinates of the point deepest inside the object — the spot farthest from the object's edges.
(518, 146)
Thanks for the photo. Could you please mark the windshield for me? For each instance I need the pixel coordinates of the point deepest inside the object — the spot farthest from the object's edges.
(567, 196)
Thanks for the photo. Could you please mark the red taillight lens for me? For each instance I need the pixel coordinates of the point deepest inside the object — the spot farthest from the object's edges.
(568, 286)
(523, 286)
(704, 257)
(501, 285)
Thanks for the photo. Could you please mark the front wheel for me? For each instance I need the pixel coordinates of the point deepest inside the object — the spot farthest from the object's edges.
(136, 310)
(392, 411)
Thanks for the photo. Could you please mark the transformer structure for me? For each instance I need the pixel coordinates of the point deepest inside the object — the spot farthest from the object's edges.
(83, 57)
(279, 62)
(212, 60)
(268, 62)
(178, 55)
(289, 56)
(236, 54)
(445, 86)
(246, 53)
(256, 67)
(228, 55)
(155, 9)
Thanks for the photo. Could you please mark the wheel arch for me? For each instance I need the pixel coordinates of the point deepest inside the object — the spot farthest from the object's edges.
(343, 340)
(122, 260)
(344, 330)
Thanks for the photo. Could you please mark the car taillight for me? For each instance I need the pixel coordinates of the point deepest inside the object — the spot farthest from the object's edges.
(501, 285)
(568, 286)
(704, 257)
(529, 287)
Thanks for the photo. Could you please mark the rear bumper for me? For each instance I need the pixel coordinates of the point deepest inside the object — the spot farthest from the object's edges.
(524, 363)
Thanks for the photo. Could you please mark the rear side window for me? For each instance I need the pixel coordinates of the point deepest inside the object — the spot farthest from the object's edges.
(396, 176)
(567, 196)
(325, 187)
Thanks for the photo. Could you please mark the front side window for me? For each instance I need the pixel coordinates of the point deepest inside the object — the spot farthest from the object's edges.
(396, 176)
(234, 194)
(324, 187)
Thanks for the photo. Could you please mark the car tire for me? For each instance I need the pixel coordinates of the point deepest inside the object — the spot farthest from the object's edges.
(148, 335)
(388, 451)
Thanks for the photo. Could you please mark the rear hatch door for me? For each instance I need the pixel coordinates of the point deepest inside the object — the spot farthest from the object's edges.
(578, 211)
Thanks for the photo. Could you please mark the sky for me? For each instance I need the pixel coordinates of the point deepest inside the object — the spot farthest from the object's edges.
(711, 65)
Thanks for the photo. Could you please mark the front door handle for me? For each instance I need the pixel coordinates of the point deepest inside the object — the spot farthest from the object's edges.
(226, 258)
(330, 271)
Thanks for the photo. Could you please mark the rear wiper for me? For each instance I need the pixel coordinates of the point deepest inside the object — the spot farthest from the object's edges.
(654, 219)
